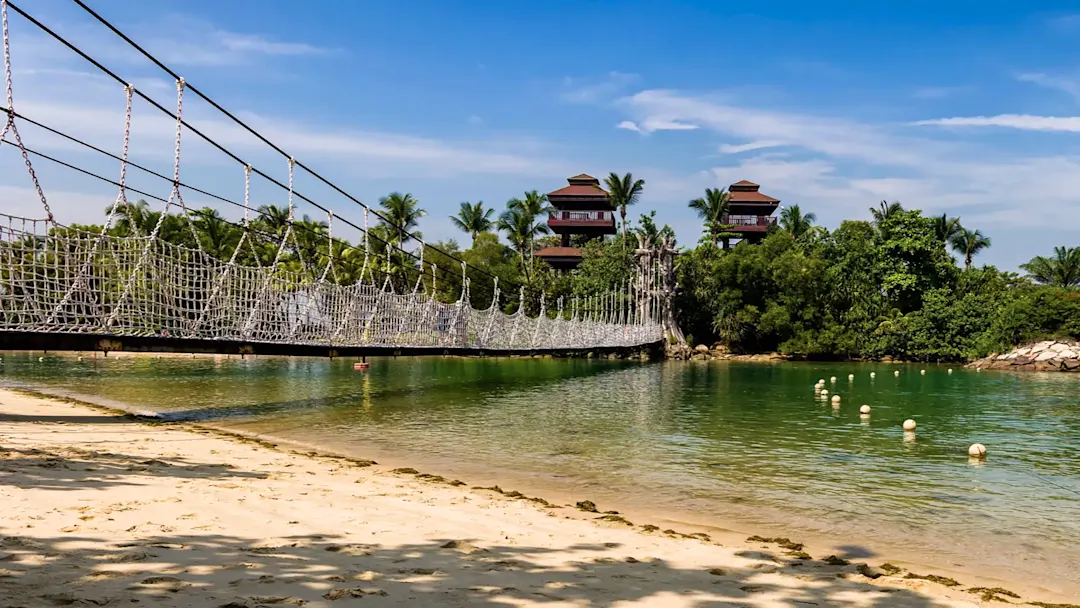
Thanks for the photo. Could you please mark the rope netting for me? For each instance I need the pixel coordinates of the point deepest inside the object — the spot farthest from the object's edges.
(60, 279)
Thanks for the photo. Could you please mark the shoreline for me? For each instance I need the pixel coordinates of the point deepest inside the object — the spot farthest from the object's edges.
(763, 567)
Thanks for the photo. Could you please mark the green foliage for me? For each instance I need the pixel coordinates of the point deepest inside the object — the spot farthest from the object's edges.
(865, 290)
(1062, 270)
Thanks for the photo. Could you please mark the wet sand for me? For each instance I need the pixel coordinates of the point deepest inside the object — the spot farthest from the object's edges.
(102, 509)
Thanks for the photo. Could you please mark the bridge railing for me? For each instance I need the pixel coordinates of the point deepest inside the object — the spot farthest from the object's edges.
(64, 280)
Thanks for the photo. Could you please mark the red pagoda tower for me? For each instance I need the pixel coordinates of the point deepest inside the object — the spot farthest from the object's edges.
(751, 212)
(581, 208)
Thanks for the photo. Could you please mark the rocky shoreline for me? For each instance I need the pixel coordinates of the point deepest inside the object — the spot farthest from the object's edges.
(718, 352)
(1046, 356)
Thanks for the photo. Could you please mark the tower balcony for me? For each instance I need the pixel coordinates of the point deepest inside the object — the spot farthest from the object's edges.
(748, 224)
(582, 222)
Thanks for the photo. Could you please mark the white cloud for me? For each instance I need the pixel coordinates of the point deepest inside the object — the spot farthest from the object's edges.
(748, 147)
(629, 125)
(1027, 122)
(475, 120)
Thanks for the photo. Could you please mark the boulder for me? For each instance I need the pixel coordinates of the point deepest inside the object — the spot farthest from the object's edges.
(1041, 346)
(701, 348)
(1045, 355)
(1071, 364)
(1022, 360)
(1059, 347)
(1068, 354)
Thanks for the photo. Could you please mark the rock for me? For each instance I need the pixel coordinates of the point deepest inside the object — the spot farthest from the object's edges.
(1011, 356)
(701, 348)
(1041, 346)
(1045, 355)
(1023, 360)
(1002, 357)
(1071, 364)
(1068, 354)
(1059, 347)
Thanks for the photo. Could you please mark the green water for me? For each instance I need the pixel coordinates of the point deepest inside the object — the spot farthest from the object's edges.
(737, 446)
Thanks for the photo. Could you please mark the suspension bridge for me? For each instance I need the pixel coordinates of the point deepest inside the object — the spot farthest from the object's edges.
(65, 287)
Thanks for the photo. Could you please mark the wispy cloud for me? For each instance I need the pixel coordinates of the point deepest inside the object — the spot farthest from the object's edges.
(596, 90)
(931, 92)
(819, 134)
(749, 147)
(1061, 83)
(652, 124)
(838, 167)
(1026, 122)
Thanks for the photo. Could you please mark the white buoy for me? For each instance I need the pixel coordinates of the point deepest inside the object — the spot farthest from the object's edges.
(850, 377)
(909, 425)
(896, 373)
(977, 450)
(922, 371)
(872, 374)
(833, 379)
(950, 370)
(80, 357)
(40, 359)
(865, 409)
(836, 400)
(821, 381)
(824, 393)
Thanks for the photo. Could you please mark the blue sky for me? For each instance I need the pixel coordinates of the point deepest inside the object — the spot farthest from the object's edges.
(967, 108)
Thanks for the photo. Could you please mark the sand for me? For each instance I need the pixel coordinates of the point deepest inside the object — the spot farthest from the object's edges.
(98, 509)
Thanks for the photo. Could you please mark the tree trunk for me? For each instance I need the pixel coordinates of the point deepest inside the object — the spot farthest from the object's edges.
(622, 210)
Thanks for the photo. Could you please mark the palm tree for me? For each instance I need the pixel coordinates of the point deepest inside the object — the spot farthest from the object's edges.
(947, 228)
(218, 236)
(885, 211)
(794, 221)
(969, 243)
(273, 219)
(1062, 270)
(402, 215)
(134, 218)
(711, 208)
(623, 192)
(473, 219)
(533, 204)
(521, 229)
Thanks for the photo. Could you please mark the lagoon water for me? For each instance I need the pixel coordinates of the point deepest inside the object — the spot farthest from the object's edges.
(743, 447)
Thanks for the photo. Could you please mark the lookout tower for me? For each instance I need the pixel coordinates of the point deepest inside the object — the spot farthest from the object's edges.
(750, 211)
(580, 208)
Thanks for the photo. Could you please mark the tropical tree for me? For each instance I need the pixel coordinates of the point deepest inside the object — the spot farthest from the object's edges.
(218, 236)
(947, 228)
(969, 243)
(273, 219)
(473, 218)
(1061, 270)
(533, 204)
(521, 229)
(134, 218)
(885, 210)
(623, 192)
(712, 208)
(797, 223)
(401, 215)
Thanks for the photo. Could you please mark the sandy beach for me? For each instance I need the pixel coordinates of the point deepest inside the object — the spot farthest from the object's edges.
(101, 509)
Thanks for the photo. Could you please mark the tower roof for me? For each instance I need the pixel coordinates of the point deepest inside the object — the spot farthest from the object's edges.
(745, 191)
(581, 186)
